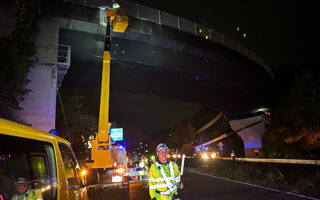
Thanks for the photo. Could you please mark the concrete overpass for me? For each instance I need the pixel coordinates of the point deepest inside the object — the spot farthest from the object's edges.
(164, 55)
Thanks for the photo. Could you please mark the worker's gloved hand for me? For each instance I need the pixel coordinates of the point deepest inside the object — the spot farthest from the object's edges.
(181, 186)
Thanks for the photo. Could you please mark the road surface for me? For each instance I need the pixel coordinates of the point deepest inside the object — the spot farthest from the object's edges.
(203, 187)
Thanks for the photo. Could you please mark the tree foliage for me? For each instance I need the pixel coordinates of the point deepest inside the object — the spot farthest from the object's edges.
(17, 51)
(80, 123)
(295, 131)
(183, 133)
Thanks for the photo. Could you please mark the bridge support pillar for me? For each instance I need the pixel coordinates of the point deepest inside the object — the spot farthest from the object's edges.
(251, 131)
(39, 106)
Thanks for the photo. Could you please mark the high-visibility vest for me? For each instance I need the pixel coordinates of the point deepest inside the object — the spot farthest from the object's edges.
(29, 195)
(146, 164)
(163, 180)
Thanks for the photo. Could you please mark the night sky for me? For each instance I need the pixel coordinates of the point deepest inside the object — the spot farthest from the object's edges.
(281, 32)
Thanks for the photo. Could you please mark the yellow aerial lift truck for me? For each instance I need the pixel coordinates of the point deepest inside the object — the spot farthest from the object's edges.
(104, 169)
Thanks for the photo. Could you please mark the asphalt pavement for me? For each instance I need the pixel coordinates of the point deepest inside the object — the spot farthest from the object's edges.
(201, 187)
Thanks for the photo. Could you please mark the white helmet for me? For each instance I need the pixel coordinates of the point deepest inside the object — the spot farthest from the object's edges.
(21, 180)
(161, 146)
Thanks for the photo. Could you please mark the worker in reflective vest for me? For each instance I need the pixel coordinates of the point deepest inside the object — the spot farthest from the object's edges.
(164, 176)
(232, 155)
(24, 193)
(143, 165)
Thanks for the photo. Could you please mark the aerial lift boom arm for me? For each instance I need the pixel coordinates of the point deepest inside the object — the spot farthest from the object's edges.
(105, 84)
(101, 146)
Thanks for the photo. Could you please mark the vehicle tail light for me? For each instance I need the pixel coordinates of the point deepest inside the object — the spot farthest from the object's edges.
(120, 170)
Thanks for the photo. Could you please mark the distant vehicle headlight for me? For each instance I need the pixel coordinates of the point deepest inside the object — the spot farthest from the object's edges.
(205, 156)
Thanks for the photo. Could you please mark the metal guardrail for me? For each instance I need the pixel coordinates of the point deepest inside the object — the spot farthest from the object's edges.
(54, 53)
(64, 54)
(162, 18)
(266, 160)
(283, 161)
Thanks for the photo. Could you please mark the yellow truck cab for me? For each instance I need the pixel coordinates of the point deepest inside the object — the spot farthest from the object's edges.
(46, 161)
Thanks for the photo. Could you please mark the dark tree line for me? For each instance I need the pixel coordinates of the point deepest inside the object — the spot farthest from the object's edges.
(294, 130)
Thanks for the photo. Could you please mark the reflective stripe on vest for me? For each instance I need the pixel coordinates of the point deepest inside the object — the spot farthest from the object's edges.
(162, 179)
(171, 187)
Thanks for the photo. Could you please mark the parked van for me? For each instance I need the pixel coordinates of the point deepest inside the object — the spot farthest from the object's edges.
(46, 161)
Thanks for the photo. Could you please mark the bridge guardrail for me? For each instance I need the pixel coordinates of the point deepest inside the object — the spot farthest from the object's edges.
(162, 18)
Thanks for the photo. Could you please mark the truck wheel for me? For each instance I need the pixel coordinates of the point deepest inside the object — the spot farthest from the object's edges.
(92, 177)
